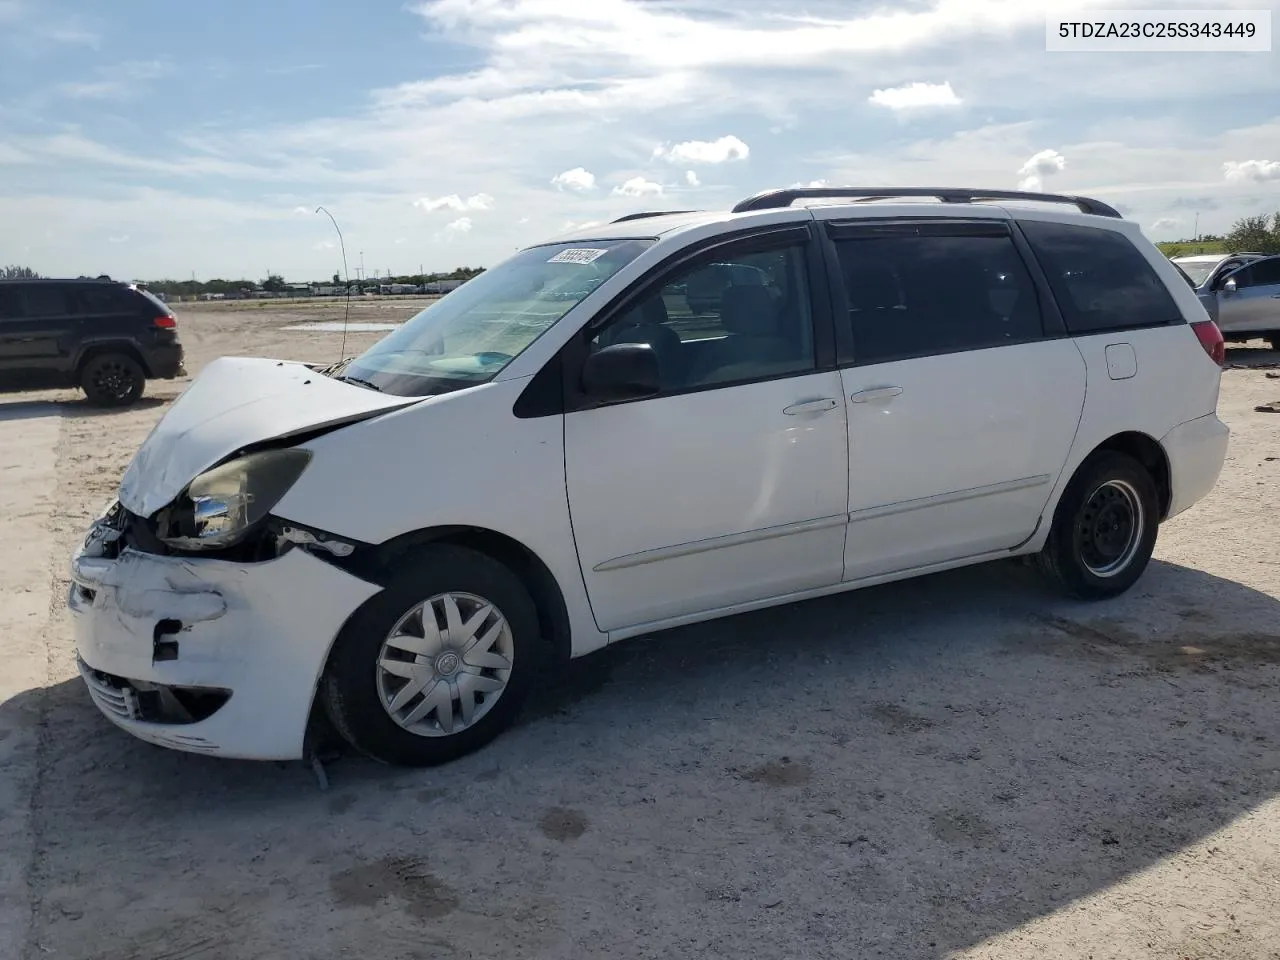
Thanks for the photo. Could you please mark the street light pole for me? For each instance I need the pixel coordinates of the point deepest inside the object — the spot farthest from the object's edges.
(346, 275)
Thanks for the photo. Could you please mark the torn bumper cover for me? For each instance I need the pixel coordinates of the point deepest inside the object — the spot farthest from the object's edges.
(205, 655)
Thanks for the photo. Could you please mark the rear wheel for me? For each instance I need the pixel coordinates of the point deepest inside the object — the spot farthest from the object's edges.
(1274, 340)
(436, 665)
(113, 380)
(1104, 529)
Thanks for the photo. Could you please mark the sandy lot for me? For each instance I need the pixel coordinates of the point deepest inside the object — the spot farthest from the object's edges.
(962, 766)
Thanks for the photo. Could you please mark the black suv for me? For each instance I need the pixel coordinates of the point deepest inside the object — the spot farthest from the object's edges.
(107, 337)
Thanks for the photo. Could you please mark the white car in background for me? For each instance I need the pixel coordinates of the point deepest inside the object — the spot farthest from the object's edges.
(935, 378)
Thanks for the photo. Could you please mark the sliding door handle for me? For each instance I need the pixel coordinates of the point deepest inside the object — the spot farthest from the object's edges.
(875, 393)
(811, 406)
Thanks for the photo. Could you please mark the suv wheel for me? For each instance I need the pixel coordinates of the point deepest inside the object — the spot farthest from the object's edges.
(1104, 529)
(1274, 340)
(113, 380)
(436, 665)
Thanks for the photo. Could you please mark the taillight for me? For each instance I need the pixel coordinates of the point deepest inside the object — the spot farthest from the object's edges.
(1210, 338)
(167, 322)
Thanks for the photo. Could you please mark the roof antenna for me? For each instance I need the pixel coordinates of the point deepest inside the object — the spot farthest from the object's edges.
(346, 276)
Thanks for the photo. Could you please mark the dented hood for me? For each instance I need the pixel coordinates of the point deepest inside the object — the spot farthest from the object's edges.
(235, 402)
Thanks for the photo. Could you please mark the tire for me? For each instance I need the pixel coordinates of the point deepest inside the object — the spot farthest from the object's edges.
(113, 380)
(1274, 340)
(359, 692)
(1104, 529)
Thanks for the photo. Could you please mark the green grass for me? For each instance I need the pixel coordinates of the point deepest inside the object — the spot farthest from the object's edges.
(1191, 249)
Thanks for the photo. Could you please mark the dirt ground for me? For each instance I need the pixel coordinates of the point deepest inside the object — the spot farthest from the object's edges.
(961, 766)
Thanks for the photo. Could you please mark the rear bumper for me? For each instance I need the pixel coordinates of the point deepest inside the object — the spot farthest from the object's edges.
(165, 362)
(1196, 450)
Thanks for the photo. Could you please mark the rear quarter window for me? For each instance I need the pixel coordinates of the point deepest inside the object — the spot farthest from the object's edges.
(100, 300)
(1099, 278)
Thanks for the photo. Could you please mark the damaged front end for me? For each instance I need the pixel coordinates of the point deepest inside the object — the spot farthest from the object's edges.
(213, 651)
(203, 622)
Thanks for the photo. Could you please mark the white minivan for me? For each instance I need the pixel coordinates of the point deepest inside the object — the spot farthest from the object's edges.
(565, 452)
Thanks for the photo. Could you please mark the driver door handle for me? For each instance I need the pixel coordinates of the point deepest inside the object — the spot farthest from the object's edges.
(875, 393)
(811, 406)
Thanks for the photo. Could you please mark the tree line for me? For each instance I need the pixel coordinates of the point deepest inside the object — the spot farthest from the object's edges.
(274, 283)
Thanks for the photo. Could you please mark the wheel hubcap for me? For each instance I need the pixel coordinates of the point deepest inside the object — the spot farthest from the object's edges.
(1109, 531)
(114, 380)
(445, 664)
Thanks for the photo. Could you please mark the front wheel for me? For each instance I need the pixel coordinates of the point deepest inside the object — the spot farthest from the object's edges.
(1104, 529)
(436, 665)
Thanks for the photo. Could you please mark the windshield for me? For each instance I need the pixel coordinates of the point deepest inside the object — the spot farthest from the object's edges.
(1198, 271)
(467, 337)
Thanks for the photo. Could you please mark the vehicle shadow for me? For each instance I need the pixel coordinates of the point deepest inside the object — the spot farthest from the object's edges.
(1258, 355)
(909, 769)
(70, 407)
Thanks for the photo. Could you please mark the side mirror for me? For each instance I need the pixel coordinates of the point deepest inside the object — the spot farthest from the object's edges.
(624, 371)
(1230, 286)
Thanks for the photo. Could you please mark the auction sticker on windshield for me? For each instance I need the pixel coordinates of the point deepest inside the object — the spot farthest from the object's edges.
(578, 256)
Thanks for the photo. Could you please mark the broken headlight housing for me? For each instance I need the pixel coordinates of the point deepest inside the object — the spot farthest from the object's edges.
(220, 507)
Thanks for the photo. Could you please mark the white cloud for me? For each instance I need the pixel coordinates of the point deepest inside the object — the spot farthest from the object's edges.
(324, 245)
(117, 81)
(480, 201)
(578, 179)
(301, 209)
(1041, 164)
(811, 183)
(691, 178)
(1165, 224)
(1256, 171)
(638, 187)
(916, 96)
(118, 238)
(461, 225)
(724, 150)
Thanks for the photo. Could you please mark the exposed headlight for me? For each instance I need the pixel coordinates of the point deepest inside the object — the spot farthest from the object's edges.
(222, 505)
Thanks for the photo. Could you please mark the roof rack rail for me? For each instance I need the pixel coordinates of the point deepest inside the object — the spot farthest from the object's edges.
(649, 213)
(776, 199)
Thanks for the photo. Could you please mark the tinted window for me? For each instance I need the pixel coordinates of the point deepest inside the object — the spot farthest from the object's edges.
(1099, 278)
(152, 299)
(1243, 276)
(97, 300)
(10, 307)
(43, 301)
(1266, 271)
(915, 295)
(727, 318)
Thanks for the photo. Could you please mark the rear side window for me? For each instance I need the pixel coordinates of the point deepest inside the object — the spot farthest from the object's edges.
(914, 294)
(97, 300)
(44, 301)
(1099, 278)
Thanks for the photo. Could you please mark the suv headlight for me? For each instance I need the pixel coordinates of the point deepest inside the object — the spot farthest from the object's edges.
(221, 506)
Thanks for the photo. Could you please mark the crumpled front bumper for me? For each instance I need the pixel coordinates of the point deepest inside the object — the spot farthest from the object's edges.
(260, 631)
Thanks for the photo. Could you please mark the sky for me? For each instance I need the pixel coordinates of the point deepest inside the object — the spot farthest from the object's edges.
(149, 139)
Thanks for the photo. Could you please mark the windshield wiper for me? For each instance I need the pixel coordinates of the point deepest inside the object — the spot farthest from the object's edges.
(364, 383)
